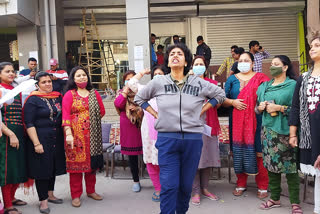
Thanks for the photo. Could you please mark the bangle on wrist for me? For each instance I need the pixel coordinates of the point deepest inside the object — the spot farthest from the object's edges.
(232, 102)
(37, 144)
(292, 136)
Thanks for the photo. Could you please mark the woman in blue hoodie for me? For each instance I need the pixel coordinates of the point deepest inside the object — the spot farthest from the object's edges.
(180, 99)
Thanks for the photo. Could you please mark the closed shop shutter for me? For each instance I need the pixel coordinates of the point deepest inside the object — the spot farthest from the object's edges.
(277, 33)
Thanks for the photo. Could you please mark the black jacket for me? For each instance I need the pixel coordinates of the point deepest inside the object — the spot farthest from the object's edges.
(205, 51)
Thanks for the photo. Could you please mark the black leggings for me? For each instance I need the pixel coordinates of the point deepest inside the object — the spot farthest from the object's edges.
(43, 186)
(133, 163)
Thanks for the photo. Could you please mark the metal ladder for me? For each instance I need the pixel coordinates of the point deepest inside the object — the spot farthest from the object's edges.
(99, 63)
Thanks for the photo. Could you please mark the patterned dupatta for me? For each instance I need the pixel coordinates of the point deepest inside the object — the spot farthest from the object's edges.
(244, 125)
(95, 132)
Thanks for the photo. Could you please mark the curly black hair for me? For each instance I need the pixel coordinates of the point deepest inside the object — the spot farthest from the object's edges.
(187, 55)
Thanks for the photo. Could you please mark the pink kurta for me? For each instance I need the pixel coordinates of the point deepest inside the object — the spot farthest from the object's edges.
(130, 135)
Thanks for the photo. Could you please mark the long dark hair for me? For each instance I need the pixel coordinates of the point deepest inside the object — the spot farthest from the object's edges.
(71, 84)
(187, 55)
(286, 61)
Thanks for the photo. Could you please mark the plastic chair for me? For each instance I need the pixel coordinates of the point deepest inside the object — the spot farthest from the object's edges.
(106, 129)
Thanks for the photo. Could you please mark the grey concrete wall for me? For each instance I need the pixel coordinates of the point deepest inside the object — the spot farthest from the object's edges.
(29, 10)
(28, 40)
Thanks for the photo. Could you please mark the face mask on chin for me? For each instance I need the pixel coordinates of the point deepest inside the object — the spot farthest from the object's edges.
(244, 67)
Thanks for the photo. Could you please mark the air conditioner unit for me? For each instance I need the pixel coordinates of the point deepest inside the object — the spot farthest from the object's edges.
(4, 1)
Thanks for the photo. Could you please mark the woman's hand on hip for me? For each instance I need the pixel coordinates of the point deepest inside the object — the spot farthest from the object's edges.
(14, 142)
(39, 149)
(69, 140)
(239, 104)
(317, 163)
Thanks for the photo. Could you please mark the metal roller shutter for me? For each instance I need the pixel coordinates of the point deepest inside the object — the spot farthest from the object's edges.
(277, 33)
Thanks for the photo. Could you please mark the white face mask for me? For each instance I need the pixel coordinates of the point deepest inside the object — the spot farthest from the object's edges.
(244, 67)
(156, 76)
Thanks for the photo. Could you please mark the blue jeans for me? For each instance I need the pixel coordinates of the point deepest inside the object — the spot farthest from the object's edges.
(178, 157)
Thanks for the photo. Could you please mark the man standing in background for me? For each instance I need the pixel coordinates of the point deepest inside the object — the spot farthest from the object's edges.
(259, 54)
(153, 53)
(203, 50)
(31, 70)
(176, 39)
(59, 76)
(227, 63)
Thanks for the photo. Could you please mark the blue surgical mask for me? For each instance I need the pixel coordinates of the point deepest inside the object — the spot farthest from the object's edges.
(199, 70)
(125, 82)
(244, 67)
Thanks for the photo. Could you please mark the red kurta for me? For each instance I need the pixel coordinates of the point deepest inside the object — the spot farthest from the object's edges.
(75, 113)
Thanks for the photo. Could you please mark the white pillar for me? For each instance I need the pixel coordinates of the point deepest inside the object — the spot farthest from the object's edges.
(138, 34)
(57, 34)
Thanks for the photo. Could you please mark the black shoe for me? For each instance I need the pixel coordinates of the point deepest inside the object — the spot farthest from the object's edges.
(57, 201)
(45, 211)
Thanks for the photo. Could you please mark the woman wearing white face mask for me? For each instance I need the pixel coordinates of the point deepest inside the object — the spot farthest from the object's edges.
(148, 133)
(130, 124)
(210, 156)
(245, 126)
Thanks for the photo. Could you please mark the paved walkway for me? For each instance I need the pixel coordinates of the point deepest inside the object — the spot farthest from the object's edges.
(118, 198)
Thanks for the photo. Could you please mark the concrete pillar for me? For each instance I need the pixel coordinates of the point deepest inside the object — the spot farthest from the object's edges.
(313, 19)
(29, 45)
(195, 27)
(57, 33)
(138, 34)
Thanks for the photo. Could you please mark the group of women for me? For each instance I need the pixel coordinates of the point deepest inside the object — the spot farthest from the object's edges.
(32, 143)
(173, 122)
(266, 117)
(273, 127)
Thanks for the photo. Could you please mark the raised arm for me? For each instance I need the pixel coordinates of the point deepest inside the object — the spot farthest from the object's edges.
(265, 54)
(133, 83)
